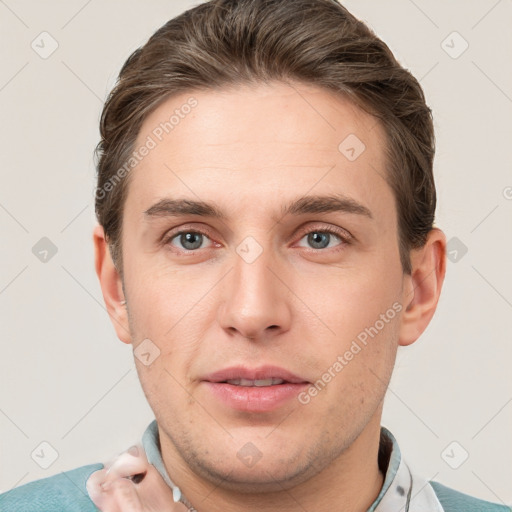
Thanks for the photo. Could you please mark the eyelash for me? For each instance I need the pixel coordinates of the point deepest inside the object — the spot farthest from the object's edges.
(343, 235)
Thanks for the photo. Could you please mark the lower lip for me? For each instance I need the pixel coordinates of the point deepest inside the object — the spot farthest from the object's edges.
(255, 399)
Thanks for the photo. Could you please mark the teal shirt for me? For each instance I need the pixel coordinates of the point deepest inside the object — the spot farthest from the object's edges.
(66, 492)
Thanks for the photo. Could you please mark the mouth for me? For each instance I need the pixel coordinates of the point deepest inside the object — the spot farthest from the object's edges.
(260, 383)
(262, 389)
(261, 376)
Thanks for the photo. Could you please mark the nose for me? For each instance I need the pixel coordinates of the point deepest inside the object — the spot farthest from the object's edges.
(256, 299)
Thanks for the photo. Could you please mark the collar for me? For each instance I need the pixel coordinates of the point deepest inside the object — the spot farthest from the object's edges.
(402, 490)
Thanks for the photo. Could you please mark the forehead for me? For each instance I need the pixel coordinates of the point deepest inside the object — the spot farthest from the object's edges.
(259, 145)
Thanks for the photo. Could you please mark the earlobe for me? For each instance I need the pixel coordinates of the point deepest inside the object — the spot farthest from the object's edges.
(111, 286)
(423, 287)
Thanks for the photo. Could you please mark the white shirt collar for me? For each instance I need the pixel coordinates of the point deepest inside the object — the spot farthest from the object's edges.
(403, 490)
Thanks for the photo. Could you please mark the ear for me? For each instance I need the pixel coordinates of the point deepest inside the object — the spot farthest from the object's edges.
(111, 286)
(423, 287)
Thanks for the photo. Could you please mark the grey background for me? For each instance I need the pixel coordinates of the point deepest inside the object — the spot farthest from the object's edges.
(65, 378)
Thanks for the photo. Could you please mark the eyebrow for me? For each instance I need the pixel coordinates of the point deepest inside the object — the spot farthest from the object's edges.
(309, 204)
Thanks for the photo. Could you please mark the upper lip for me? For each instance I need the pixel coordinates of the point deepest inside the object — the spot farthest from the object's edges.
(260, 373)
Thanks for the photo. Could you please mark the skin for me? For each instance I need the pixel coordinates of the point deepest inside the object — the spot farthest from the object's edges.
(250, 150)
(112, 491)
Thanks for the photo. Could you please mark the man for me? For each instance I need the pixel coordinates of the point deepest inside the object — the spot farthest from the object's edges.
(265, 243)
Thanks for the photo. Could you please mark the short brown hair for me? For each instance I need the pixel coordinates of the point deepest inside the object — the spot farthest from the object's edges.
(229, 42)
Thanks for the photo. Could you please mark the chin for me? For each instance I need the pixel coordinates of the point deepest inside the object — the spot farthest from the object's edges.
(264, 477)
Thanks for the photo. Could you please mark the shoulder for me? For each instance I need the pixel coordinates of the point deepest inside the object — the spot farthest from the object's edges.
(64, 492)
(455, 501)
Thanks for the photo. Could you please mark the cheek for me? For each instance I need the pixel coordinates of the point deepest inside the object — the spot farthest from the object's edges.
(353, 377)
(356, 342)
(165, 312)
(354, 300)
(164, 380)
(157, 300)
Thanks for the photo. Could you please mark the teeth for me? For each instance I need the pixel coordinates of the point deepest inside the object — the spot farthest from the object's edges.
(255, 383)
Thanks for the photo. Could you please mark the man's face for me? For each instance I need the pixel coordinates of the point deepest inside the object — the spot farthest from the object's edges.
(258, 294)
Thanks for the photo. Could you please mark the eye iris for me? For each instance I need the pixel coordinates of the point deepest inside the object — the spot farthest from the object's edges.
(186, 238)
(317, 237)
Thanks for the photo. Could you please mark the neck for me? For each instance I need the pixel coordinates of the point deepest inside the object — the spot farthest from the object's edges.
(350, 483)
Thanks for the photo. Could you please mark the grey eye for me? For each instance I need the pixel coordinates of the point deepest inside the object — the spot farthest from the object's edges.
(318, 239)
(189, 240)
